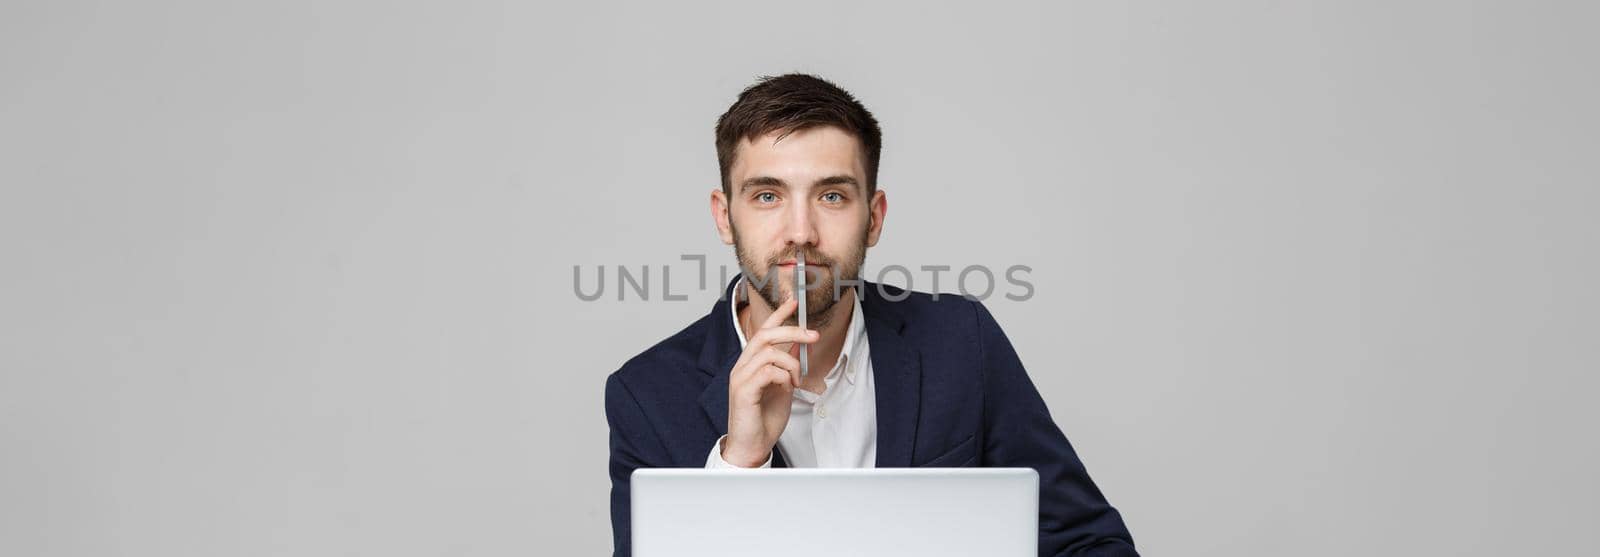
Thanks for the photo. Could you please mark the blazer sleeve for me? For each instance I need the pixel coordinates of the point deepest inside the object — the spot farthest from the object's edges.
(1074, 518)
(634, 445)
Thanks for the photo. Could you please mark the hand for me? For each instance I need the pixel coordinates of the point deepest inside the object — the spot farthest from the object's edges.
(761, 387)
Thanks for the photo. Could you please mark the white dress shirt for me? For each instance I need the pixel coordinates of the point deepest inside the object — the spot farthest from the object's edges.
(836, 429)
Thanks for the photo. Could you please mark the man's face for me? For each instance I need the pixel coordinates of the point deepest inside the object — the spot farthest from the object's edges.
(807, 193)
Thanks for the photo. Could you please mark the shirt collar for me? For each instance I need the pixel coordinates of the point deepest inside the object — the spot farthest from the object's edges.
(854, 336)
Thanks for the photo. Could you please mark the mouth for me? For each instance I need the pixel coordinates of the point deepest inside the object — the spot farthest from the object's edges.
(791, 264)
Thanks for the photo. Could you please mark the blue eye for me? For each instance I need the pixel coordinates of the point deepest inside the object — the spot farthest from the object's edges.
(766, 197)
(835, 197)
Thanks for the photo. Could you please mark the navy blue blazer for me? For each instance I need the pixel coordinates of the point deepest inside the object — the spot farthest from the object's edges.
(951, 392)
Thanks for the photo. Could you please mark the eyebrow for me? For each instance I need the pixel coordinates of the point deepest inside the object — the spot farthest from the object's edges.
(769, 181)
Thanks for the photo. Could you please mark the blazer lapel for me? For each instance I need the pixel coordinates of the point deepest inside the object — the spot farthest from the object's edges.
(717, 356)
(896, 375)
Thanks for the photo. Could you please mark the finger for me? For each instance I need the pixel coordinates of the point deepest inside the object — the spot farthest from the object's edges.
(758, 340)
(763, 376)
(776, 376)
(753, 390)
(753, 358)
(773, 357)
(784, 360)
(781, 335)
(782, 312)
(767, 337)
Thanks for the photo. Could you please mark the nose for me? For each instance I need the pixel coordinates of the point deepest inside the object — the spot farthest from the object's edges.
(802, 230)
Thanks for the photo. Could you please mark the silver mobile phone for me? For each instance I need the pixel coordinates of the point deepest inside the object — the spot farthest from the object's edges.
(800, 292)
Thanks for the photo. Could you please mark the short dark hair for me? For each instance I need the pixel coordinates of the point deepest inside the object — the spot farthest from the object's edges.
(792, 102)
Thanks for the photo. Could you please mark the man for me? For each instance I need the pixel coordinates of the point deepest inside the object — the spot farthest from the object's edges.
(895, 378)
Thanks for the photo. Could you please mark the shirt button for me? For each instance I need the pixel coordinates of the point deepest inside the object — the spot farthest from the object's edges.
(822, 412)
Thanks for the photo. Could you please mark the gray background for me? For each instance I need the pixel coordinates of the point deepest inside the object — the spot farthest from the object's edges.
(295, 278)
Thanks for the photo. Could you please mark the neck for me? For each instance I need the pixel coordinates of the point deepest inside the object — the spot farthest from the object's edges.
(824, 353)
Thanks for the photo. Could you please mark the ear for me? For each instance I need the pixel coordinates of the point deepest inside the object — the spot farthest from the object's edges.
(875, 211)
(720, 216)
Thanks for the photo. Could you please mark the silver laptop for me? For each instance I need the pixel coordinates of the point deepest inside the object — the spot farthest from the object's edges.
(929, 512)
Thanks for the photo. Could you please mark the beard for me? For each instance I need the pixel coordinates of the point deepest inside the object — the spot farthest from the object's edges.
(761, 274)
